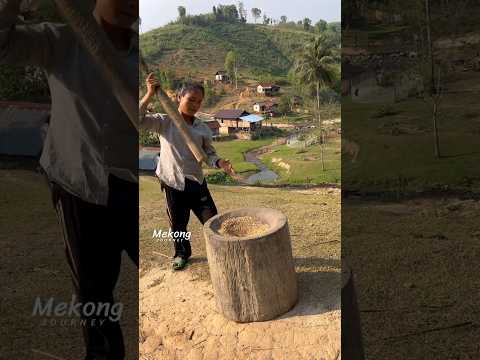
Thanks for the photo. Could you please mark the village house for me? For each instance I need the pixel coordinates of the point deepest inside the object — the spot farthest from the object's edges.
(268, 89)
(237, 120)
(266, 107)
(221, 76)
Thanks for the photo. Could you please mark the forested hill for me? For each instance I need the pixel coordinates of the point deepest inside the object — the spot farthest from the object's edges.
(200, 50)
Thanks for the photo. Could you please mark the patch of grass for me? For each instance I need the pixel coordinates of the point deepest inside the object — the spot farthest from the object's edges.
(234, 150)
(406, 162)
(322, 207)
(305, 164)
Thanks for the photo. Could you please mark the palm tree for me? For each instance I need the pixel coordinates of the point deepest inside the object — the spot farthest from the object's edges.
(315, 66)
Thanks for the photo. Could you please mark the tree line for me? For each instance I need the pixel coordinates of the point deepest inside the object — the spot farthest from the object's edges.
(239, 14)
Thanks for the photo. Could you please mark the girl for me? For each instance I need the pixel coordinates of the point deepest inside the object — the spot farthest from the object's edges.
(180, 174)
(90, 155)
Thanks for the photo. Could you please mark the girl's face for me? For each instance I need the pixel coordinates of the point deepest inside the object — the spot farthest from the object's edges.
(190, 102)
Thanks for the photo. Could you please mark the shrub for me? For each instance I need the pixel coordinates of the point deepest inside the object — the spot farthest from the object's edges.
(220, 178)
(147, 138)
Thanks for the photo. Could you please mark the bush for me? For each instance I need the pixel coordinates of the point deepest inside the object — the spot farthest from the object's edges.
(272, 132)
(220, 178)
(23, 84)
(147, 138)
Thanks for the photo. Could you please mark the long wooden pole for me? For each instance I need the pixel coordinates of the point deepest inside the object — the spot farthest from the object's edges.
(78, 15)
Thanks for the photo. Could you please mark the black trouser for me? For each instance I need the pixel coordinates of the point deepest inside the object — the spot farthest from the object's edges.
(195, 197)
(94, 237)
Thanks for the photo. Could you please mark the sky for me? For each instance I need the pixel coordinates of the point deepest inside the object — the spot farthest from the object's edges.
(156, 13)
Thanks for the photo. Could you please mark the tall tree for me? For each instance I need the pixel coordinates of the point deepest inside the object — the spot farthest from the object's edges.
(430, 46)
(315, 66)
(283, 19)
(256, 13)
(242, 12)
(231, 66)
(307, 24)
(284, 104)
(419, 13)
(266, 19)
(321, 26)
(230, 12)
(182, 12)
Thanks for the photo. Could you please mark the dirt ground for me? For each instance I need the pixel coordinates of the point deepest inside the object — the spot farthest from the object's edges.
(416, 270)
(34, 265)
(178, 318)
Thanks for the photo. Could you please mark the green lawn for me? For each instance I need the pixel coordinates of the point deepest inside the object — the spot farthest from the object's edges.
(305, 165)
(405, 161)
(234, 150)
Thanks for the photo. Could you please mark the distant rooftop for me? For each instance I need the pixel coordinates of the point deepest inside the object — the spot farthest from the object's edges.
(252, 118)
(231, 113)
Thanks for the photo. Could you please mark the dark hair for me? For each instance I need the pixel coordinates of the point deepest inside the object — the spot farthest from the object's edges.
(190, 87)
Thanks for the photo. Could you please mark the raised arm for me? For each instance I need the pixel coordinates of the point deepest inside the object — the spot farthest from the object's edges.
(25, 44)
(152, 122)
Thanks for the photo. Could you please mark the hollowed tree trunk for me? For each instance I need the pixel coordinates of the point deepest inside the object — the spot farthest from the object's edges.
(253, 277)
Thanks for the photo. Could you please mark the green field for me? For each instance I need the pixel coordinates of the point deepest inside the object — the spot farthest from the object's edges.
(397, 150)
(305, 164)
(296, 204)
(234, 150)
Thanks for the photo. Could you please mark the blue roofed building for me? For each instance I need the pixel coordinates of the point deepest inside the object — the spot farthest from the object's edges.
(237, 120)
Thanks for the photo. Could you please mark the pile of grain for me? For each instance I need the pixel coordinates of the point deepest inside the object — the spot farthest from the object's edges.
(243, 226)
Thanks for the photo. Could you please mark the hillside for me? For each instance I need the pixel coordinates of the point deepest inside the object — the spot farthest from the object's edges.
(201, 50)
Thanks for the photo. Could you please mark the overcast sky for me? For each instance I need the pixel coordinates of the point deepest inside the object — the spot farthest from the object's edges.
(156, 13)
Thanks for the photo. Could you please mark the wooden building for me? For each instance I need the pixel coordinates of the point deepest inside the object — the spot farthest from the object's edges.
(235, 120)
(268, 89)
(221, 76)
(266, 107)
